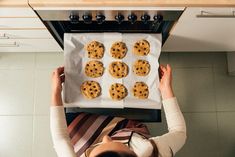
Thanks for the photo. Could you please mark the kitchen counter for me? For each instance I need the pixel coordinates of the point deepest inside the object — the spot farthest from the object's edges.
(156, 3)
(14, 3)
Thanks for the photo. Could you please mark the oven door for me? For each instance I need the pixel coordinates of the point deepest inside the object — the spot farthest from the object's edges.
(142, 20)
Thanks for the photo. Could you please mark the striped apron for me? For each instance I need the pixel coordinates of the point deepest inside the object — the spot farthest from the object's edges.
(87, 130)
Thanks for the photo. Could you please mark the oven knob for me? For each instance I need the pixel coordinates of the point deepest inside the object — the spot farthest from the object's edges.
(132, 18)
(158, 18)
(100, 19)
(145, 18)
(87, 19)
(119, 18)
(74, 19)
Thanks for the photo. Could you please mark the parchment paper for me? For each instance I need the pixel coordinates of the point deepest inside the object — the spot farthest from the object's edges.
(76, 58)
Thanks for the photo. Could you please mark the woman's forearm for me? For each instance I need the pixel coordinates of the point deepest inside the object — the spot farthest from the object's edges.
(167, 93)
(56, 99)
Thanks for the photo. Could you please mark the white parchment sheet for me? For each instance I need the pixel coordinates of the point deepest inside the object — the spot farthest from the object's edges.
(76, 58)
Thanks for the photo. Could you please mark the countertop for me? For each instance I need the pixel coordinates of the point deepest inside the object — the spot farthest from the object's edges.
(133, 3)
(14, 3)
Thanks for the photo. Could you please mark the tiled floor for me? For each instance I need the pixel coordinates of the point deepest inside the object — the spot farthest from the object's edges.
(204, 90)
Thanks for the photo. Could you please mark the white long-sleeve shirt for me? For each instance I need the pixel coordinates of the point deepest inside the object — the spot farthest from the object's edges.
(168, 143)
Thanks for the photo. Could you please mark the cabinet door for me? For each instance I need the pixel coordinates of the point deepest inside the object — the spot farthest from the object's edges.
(21, 23)
(17, 12)
(193, 33)
(29, 45)
(24, 34)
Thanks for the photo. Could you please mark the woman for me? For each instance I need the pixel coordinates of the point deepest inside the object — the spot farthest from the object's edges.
(109, 142)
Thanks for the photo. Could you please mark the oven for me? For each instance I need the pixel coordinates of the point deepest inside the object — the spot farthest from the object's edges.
(112, 19)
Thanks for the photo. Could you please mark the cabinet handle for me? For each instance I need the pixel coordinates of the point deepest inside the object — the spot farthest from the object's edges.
(14, 44)
(4, 36)
(206, 14)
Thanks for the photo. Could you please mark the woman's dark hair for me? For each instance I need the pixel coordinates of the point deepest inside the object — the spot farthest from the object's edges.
(115, 154)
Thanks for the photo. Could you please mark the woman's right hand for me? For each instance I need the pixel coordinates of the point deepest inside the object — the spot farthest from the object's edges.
(165, 85)
(57, 81)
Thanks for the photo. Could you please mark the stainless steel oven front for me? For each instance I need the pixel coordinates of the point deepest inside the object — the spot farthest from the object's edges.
(109, 19)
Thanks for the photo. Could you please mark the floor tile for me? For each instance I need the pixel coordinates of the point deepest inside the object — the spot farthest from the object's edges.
(190, 59)
(42, 141)
(17, 60)
(164, 58)
(202, 136)
(226, 127)
(194, 89)
(16, 136)
(158, 129)
(42, 91)
(49, 60)
(219, 60)
(16, 92)
(225, 90)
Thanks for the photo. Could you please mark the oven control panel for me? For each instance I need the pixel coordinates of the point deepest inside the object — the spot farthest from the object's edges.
(100, 16)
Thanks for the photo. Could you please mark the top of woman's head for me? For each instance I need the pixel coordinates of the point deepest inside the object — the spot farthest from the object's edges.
(115, 154)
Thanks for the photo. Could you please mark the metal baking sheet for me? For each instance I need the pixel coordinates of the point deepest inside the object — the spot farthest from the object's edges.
(76, 58)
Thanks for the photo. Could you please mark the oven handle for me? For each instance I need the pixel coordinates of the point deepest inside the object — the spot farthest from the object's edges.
(14, 44)
(206, 14)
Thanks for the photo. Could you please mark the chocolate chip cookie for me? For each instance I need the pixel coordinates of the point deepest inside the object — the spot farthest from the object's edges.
(141, 67)
(141, 48)
(118, 69)
(117, 91)
(118, 50)
(95, 50)
(94, 69)
(90, 89)
(140, 90)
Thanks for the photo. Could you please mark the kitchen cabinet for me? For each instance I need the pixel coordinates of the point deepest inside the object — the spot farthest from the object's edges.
(29, 45)
(203, 29)
(22, 31)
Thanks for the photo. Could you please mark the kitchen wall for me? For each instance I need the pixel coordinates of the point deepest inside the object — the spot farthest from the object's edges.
(205, 93)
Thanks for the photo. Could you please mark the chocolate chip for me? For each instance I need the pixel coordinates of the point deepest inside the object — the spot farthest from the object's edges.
(113, 49)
